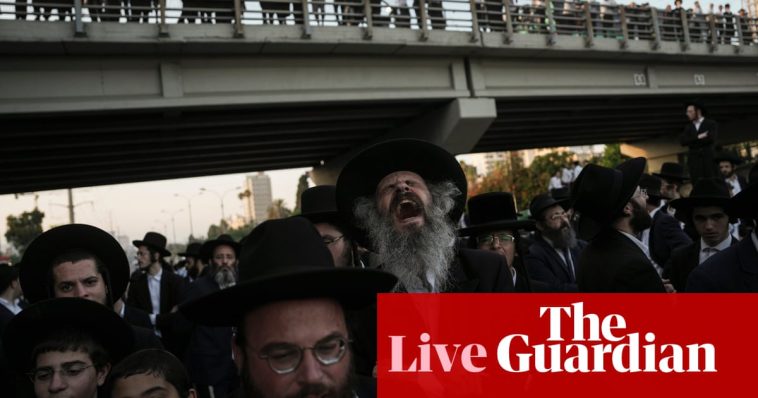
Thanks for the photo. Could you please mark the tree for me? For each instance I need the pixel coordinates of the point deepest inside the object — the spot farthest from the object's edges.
(215, 230)
(23, 229)
(611, 156)
(302, 185)
(472, 177)
(278, 210)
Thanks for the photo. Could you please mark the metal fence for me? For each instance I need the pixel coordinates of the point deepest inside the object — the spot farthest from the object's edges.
(558, 17)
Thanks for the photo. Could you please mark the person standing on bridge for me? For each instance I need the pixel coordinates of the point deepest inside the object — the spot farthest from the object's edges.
(699, 135)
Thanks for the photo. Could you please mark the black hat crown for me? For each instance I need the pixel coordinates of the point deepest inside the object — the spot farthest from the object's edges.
(651, 184)
(492, 207)
(318, 200)
(542, 202)
(710, 188)
(674, 171)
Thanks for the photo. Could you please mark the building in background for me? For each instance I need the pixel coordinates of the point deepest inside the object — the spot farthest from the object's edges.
(259, 199)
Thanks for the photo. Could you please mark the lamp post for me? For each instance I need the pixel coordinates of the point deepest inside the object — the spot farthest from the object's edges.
(173, 222)
(189, 210)
(221, 197)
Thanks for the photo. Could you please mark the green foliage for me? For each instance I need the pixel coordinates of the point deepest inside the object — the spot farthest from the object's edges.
(24, 228)
(236, 233)
(278, 210)
(302, 185)
(611, 156)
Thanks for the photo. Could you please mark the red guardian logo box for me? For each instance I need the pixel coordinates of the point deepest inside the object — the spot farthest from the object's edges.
(486, 345)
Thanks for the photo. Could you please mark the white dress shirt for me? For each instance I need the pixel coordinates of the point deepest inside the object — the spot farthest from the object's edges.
(707, 252)
(734, 182)
(555, 183)
(12, 307)
(698, 123)
(154, 286)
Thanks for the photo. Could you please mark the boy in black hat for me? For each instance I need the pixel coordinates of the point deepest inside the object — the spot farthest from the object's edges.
(195, 265)
(289, 312)
(405, 198)
(150, 373)
(665, 234)
(78, 260)
(728, 163)
(699, 135)
(707, 210)
(611, 210)
(554, 256)
(733, 269)
(319, 205)
(66, 346)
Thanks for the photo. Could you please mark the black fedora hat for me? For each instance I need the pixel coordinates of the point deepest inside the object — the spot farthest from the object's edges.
(7, 274)
(601, 193)
(561, 194)
(706, 192)
(543, 202)
(652, 185)
(286, 259)
(672, 171)
(493, 211)
(206, 252)
(727, 156)
(697, 104)
(363, 173)
(39, 255)
(192, 250)
(745, 203)
(155, 241)
(38, 321)
(319, 204)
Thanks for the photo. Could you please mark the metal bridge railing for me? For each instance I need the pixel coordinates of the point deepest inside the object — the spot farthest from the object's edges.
(590, 20)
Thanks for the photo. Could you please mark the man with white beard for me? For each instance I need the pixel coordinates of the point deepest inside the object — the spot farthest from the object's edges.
(209, 354)
(404, 198)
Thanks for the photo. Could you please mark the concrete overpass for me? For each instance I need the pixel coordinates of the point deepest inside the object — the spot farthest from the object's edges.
(89, 103)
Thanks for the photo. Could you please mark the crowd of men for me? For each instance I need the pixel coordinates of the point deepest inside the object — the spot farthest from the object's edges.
(289, 311)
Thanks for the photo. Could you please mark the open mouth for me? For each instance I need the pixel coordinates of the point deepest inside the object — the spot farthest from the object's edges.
(407, 209)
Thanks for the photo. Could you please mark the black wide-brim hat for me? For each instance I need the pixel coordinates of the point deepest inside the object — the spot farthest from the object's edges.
(38, 321)
(728, 157)
(39, 255)
(672, 171)
(493, 211)
(154, 241)
(193, 250)
(707, 192)
(545, 201)
(652, 184)
(286, 259)
(206, 251)
(319, 204)
(745, 203)
(363, 173)
(601, 193)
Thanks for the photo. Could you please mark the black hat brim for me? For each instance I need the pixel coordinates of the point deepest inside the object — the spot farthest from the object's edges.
(161, 250)
(354, 288)
(565, 203)
(206, 252)
(35, 323)
(362, 174)
(39, 256)
(497, 226)
(671, 177)
(743, 205)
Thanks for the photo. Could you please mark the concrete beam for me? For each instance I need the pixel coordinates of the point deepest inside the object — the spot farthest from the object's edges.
(457, 127)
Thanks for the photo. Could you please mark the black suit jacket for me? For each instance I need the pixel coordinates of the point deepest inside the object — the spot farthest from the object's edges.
(173, 290)
(137, 317)
(682, 262)
(479, 271)
(546, 266)
(733, 270)
(613, 263)
(666, 235)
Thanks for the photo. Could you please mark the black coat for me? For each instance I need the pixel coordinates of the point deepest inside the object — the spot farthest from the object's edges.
(209, 354)
(479, 271)
(682, 262)
(733, 270)
(700, 159)
(137, 317)
(666, 235)
(613, 263)
(547, 267)
(145, 338)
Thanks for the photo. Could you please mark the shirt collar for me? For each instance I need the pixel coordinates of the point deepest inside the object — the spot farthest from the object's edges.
(637, 242)
(157, 276)
(723, 245)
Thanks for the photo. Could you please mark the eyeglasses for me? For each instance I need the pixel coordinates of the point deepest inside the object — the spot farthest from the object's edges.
(329, 241)
(285, 358)
(68, 371)
(558, 216)
(489, 239)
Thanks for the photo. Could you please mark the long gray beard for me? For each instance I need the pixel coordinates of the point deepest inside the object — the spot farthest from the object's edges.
(414, 255)
(564, 238)
(225, 278)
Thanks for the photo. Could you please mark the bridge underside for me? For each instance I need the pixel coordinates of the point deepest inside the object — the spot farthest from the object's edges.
(51, 151)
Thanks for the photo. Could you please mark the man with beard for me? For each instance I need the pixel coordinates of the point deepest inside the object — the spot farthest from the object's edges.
(706, 209)
(405, 198)
(79, 260)
(664, 235)
(728, 166)
(611, 210)
(699, 135)
(554, 256)
(195, 265)
(672, 177)
(319, 206)
(209, 354)
(494, 226)
(289, 313)
(156, 289)
(733, 269)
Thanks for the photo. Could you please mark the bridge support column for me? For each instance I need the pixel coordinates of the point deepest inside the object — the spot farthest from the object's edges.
(457, 127)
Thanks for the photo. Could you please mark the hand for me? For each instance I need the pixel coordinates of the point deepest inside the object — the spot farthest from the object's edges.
(176, 308)
(668, 286)
(702, 135)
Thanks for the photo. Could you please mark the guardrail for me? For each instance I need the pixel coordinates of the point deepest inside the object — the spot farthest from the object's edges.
(589, 20)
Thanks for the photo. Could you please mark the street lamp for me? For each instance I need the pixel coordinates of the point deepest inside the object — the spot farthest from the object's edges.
(189, 209)
(173, 223)
(221, 197)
